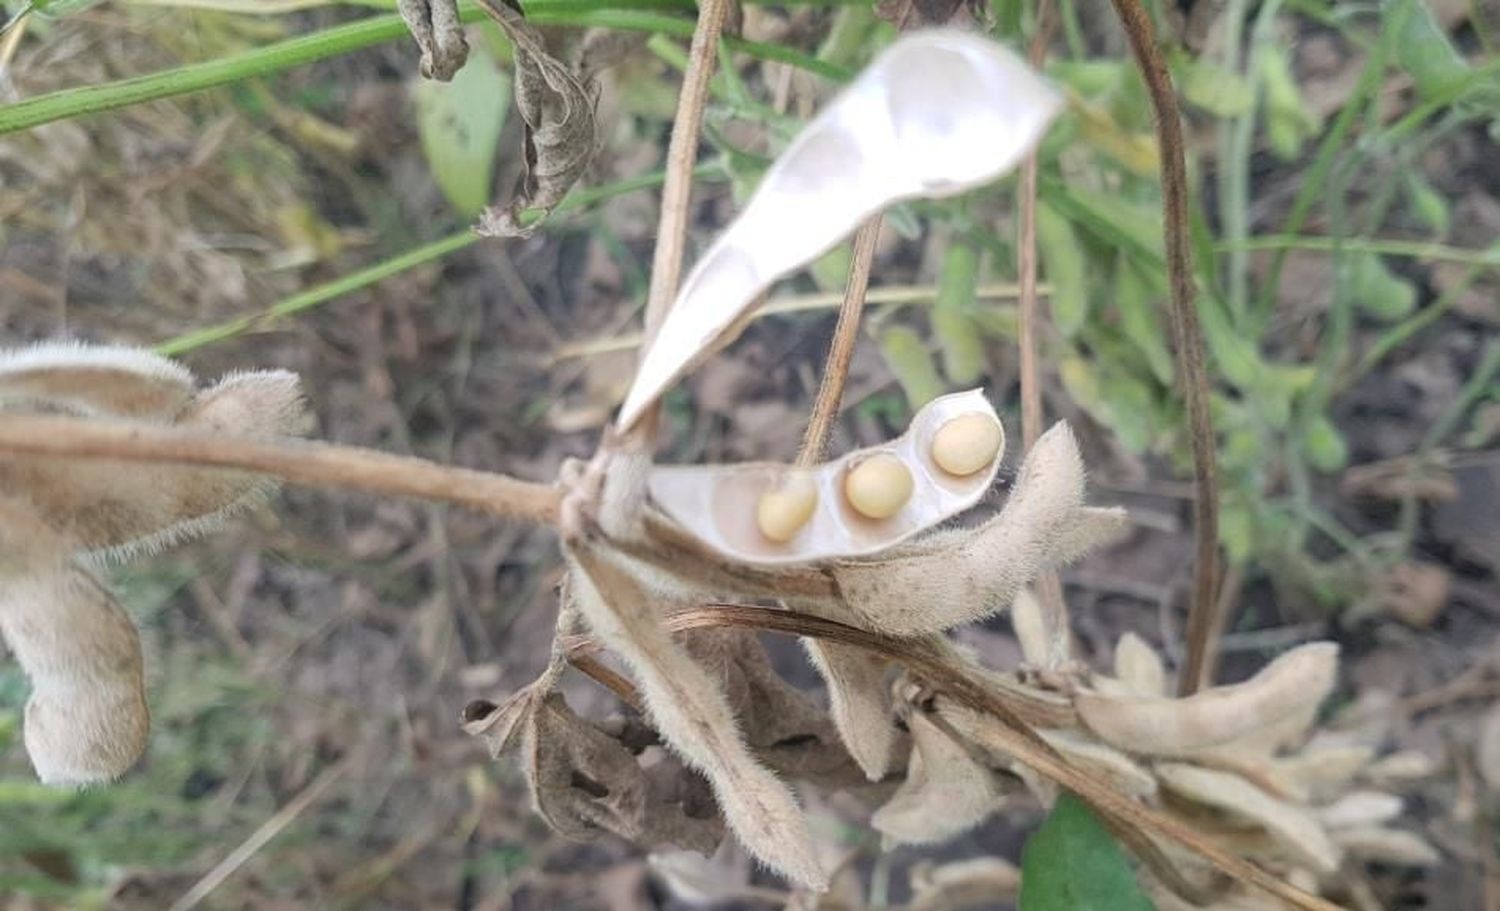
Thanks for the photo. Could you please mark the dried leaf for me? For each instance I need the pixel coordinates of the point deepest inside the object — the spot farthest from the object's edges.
(86, 720)
(778, 721)
(93, 380)
(1280, 700)
(558, 108)
(1291, 827)
(120, 508)
(695, 718)
(439, 33)
(1139, 666)
(946, 792)
(935, 114)
(966, 575)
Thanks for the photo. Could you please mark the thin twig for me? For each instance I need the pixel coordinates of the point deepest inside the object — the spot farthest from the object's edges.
(1187, 336)
(302, 462)
(891, 295)
(841, 350)
(260, 838)
(1048, 586)
(682, 151)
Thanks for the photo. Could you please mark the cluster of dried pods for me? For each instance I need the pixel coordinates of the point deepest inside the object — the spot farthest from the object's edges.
(86, 720)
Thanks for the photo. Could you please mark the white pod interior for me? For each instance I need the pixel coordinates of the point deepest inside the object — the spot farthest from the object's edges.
(718, 503)
(937, 113)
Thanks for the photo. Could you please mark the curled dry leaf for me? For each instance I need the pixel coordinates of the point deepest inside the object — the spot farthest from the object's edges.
(1293, 828)
(440, 36)
(955, 577)
(118, 509)
(783, 727)
(86, 720)
(694, 717)
(558, 109)
(946, 792)
(584, 782)
(1283, 697)
(720, 504)
(935, 114)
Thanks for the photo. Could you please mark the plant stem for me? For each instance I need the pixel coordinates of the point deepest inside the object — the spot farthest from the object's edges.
(1187, 335)
(682, 150)
(344, 39)
(301, 462)
(322, 294)
(841, 351)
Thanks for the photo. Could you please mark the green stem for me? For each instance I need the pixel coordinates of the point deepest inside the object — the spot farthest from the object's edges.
(1413, 249)
(344, 39)
(313, 297)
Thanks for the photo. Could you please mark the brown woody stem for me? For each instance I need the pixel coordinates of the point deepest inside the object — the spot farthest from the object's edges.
(1186, 334)
(841, 351)
(301, 462)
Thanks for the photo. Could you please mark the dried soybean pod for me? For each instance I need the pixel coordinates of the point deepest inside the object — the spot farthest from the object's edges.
(859, 504)
(86, 720)
(1291, 687)
(1293, 828)
(1124, 773)
(1360, 808)
(936, 113)
(945, 793)
(1374, 844)
(1139, 666)
(91, 380)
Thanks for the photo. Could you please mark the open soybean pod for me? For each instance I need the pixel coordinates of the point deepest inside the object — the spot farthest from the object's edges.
(937, 113)
(859, 504)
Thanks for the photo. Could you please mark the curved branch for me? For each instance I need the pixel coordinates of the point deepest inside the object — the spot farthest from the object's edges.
(309, 464)
(1187, 338)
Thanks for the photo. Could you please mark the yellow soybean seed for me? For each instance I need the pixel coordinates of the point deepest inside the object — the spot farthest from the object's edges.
(783, 511)
(966, 444)
(879, 486)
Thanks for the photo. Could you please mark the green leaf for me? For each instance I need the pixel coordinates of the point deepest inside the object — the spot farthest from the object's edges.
(908, 359)
(1289, 121)
(1072, 864)
(1324, 445)
(1211, 87)
(1424, 50)
(952, 320)
(1062, 258)
(460, 124)
(1379, 291)
(1427, 204)
(1137, 303)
